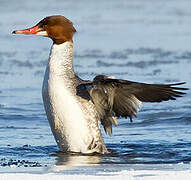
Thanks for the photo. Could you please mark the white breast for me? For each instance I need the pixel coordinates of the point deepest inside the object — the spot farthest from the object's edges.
(65, 116)
(64, 112)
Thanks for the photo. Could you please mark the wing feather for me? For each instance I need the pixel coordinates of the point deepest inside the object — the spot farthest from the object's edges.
(121, 98)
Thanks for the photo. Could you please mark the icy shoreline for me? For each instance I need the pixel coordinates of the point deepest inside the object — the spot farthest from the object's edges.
(138, 175)
(131, 172)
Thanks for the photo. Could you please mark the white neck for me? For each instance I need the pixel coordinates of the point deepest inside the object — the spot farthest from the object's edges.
(60, 60)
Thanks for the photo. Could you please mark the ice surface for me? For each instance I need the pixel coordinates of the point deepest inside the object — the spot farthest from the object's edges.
(123, 175)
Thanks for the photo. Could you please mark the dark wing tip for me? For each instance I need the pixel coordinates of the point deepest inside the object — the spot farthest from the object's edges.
(174, 91)
(178, 84)
(178, 90)
(159, 92)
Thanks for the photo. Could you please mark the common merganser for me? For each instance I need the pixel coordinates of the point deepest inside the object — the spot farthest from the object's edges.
(74, 107)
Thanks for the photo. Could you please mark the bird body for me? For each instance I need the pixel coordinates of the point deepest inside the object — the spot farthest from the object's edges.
(75, 129)
(76, 107)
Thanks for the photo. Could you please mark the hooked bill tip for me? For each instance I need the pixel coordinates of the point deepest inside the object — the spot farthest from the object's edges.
(14, 32)
(17, 32)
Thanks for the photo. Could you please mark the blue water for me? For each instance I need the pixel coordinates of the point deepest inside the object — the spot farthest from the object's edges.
(144, 41)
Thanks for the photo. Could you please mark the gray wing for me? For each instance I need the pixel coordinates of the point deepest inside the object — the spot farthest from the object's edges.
(121, 98)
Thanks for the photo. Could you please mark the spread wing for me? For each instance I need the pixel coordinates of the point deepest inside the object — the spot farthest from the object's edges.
(121, 98)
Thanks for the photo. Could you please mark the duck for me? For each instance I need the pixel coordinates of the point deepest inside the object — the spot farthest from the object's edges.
(76, 108)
